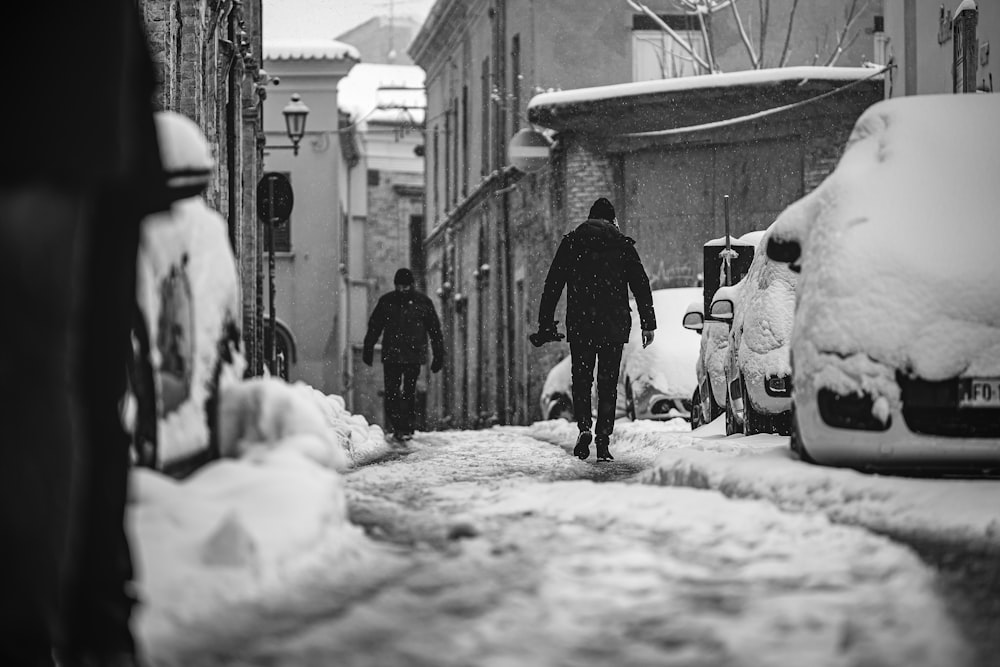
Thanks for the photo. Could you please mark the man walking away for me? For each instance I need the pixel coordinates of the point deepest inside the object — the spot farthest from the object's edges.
(407, 319)
(597, 264)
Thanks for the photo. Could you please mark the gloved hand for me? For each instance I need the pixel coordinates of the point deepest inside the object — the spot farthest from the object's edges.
(437, 364)
(368, 356)
(547, 333)
(647, 337)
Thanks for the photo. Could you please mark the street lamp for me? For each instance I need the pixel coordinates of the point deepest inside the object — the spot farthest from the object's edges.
(295, 113)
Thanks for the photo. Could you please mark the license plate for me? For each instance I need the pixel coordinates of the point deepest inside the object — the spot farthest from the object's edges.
(979, 393)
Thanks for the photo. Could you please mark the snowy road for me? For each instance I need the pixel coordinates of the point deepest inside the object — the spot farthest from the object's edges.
(493, 548)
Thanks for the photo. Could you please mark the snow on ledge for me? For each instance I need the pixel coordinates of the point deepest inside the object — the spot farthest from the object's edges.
(743, 78)
(309, 49)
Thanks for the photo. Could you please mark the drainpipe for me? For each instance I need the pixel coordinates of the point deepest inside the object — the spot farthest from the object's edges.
(345, 274)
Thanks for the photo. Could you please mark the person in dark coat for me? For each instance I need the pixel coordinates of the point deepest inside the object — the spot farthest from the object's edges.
(70, 212)
(405, 319)
(598, 265)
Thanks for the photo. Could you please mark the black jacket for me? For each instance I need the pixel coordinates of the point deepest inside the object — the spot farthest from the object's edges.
(598, 264)
(408, 319)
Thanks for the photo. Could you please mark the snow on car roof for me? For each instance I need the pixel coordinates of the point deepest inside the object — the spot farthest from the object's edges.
(899, 243)
(750, 238)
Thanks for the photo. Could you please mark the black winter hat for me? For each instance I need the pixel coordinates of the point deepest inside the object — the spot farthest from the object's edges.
(602, 210)
(403, 277)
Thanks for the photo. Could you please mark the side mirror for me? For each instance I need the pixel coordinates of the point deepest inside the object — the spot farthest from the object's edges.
(693, 322)
(722, 309)
(785, 251)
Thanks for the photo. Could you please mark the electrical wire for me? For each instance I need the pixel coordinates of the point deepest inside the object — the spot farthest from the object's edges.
(760, 114)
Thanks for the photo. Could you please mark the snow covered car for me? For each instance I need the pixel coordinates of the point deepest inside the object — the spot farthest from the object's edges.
(557, 397)
(896, 340)
(653, 383)
(710, 395)
(186, 337)
(658, 382)
(759, 308)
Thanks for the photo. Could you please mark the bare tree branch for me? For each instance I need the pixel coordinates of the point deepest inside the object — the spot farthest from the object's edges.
(680, 40)
(788, 35)
(852, 14)
(765, 12)
(754, 61)
(705, 30)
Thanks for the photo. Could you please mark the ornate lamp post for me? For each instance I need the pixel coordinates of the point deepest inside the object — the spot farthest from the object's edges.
(295, 113)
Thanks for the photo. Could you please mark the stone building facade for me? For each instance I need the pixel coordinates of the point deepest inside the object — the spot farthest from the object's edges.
(491, 231)
(207, 55)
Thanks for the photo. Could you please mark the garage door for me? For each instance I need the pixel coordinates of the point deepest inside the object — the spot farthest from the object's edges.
(674, 199)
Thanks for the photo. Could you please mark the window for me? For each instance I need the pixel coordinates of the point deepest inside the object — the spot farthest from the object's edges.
(373, 178)
(657, 55)
(484, 133)
(283, 230)
(515, 83)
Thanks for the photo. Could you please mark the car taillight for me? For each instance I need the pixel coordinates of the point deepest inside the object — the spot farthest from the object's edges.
(853, 411)
(778, 385)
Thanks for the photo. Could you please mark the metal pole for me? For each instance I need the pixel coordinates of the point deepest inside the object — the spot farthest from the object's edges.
(728, 261)
(270, 275)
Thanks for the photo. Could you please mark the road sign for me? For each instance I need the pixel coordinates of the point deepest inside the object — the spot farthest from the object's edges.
(274, 198)
(528, 150)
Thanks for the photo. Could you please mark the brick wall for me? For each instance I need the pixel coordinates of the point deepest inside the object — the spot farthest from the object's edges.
(196, 73)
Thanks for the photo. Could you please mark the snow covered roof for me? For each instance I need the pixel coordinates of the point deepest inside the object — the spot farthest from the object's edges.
(679, 102)
(358, 94)
(309, 49)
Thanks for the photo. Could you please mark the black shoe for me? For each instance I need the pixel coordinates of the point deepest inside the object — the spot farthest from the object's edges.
(582, 449)
(602, 448)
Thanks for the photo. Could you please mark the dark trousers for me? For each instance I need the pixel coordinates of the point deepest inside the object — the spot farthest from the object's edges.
(400, 395)
(65, 566)
(608, 358)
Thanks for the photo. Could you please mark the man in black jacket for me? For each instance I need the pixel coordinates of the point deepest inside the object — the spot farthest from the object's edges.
(408, 319)
(598, 265)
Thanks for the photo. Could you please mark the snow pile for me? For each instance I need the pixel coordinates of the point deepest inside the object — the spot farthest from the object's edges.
(898, 250)
(939, 511)
(638, 442)
(240, 527)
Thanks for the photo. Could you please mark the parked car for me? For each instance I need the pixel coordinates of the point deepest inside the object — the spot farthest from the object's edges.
(653, 383)
(896, 339)
(759, 308)
(186, 337)
(710, 366)
(658, 382)
(556, 400)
